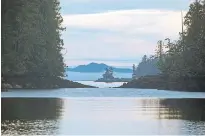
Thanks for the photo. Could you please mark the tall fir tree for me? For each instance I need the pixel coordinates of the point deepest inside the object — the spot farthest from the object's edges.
(31, 38)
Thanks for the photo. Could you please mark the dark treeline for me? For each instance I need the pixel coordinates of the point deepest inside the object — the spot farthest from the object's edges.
(184, 61)
(32, 44)
(147, 66)
(181, 62)
(186, 56)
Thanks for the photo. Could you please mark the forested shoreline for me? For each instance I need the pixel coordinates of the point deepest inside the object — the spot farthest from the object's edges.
(182, 65)
(31, 43)
(147, 66)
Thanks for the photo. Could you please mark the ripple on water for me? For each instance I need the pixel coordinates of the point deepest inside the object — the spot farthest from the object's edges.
(32, 127)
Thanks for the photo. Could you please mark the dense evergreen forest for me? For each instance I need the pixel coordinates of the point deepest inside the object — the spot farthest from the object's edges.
(147, 66)
(186, 56)
(181, 62)
(31, 42)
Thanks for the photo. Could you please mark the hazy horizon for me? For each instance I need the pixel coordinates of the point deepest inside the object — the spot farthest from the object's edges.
(118, 33)
(118, 66)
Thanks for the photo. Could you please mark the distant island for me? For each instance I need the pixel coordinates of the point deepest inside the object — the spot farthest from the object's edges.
(95, 67)
(109, 78)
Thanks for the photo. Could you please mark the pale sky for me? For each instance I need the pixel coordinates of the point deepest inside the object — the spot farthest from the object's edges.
(118, 32)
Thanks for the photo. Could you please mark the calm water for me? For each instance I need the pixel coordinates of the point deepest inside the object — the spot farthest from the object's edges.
(100, 92)
(102, 111)
(78, 76)
(101, 84)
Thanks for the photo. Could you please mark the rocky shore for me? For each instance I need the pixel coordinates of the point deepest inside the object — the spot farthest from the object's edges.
(39, 83)
(164, 83)
(114, 80)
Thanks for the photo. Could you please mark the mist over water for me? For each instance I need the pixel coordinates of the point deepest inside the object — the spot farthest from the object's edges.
(78, 76)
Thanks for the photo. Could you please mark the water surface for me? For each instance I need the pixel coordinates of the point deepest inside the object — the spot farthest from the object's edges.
(102, 116)
(102, 111)
(101, 84)
(101, 92)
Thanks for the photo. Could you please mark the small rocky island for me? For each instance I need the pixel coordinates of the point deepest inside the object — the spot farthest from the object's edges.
(109, 78)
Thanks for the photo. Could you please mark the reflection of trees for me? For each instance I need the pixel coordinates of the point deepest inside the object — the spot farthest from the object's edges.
(30, 108)
(188, 109)
(30, 116)
(151, 108)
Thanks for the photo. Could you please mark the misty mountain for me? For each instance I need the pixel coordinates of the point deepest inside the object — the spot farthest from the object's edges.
(95, 67)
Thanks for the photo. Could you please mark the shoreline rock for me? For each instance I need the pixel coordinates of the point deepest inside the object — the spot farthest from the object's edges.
(113, 80)
(5, 87)
(40, 83)
(164, 83)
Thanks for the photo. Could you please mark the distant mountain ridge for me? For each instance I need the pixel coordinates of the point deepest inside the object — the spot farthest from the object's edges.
(95, 67)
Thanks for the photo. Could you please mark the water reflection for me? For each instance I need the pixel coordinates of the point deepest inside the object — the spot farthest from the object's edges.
(30, 116)
(186, 109)
(31, 108)
(103, 116)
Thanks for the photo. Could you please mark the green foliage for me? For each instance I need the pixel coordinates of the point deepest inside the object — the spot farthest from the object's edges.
(186, 57)
(31, 42)
(148, 66)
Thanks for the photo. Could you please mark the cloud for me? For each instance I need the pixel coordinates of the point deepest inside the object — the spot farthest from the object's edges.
(160, 22)
(115, 48)
(118, 35)
(191, 1)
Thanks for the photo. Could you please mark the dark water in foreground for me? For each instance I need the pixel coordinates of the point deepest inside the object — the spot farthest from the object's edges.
(102, 116)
